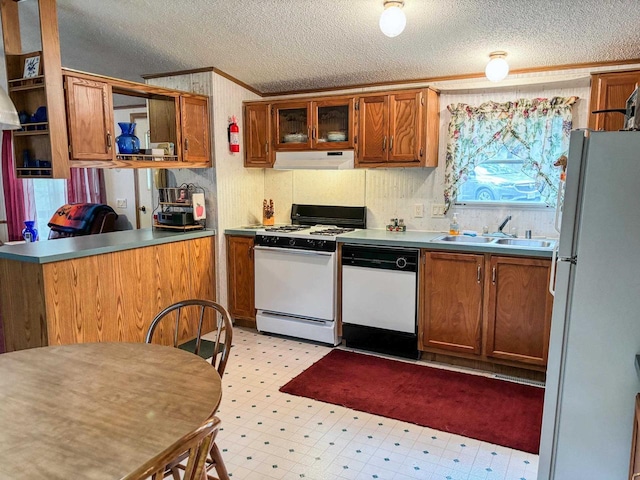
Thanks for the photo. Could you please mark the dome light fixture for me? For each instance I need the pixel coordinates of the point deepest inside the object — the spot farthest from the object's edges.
(497, 69)
(393, 20)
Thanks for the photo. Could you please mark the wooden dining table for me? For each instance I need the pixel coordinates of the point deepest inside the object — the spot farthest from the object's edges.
(98, 410)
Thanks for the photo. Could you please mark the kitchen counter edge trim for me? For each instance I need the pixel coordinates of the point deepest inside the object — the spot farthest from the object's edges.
(62, 249)
(417, 239)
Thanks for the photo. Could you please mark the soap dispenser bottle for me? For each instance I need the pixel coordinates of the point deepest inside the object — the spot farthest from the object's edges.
(454, 227)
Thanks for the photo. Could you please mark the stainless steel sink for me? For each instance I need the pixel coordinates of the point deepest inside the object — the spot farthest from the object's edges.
(463, 239)
(523, 242)
(491, 240)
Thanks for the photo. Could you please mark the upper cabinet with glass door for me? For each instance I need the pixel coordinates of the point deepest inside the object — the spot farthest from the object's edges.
(333, 124)
(323, 124)
(292, 125)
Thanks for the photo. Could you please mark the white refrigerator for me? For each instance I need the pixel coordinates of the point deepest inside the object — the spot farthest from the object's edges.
(592, 380)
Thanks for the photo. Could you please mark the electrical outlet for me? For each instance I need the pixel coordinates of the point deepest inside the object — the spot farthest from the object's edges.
(418, 210)
(121, 203)
(437, 210)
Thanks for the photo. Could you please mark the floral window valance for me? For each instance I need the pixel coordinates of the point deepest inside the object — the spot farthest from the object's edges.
(535, 131)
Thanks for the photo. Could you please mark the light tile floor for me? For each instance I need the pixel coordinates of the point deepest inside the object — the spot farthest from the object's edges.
(271, 435)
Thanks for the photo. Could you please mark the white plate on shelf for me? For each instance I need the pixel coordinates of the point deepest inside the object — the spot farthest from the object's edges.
(295, 138)
(336, 136)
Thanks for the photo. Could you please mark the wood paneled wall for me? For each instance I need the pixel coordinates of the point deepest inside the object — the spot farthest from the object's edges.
(108, 297)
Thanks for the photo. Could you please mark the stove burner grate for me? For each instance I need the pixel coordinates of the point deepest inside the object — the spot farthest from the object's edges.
(333, 231)
(286, 228)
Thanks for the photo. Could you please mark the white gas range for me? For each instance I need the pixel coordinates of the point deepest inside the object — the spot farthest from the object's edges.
(296, 272)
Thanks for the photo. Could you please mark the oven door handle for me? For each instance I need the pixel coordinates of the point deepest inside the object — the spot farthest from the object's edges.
(293, 250)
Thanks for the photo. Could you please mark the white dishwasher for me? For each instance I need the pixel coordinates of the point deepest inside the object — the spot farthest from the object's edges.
(379, 299)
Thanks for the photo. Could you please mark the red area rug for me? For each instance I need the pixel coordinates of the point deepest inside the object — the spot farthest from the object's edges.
(494, 411)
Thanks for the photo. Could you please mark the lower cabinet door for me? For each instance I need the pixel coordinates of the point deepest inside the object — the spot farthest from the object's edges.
(240, 277)
(519, 313)
(453, 302)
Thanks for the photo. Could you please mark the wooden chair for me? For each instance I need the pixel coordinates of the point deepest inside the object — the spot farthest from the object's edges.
(203, 309)
(196, 444)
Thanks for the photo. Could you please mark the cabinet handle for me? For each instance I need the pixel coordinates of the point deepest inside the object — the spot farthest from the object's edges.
(493, 275)
(384, 143)
(391, 144)
(313, 133)
(250, 252)
(479, 273)
(186, 144)
(266, 147)
(108, 140)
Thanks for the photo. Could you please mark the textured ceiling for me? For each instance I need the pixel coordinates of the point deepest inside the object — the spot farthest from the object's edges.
(281, 45)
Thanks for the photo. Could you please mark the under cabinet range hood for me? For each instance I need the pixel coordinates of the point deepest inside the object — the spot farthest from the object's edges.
(314, 160)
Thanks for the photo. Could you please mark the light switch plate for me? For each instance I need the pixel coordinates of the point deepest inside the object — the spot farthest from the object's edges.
(418, 210)
(121, 203)
(437, 210)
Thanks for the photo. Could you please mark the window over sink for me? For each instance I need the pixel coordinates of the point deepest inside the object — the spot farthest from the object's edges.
(501, 153)
(504, 178)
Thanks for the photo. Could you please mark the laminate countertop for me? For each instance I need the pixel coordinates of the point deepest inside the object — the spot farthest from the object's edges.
(421, 239)
(77, 247)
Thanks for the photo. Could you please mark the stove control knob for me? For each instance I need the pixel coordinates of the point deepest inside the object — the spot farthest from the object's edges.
(274, 240)
(322, 243)
(292, 241)
(401, 262)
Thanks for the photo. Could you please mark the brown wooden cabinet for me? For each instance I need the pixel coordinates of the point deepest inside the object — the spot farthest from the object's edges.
(390, 129)
(241, 279)
(453, 302)
(90, 119)
(491, 307)
(174, 117)
(194, 115)
(611, 90)
(398, 129)
(257, 135)
(519, 309)
(40, 147)
(373, 125)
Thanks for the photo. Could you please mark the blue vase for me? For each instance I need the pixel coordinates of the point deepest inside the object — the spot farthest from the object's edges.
(30, 234)
(127, 142)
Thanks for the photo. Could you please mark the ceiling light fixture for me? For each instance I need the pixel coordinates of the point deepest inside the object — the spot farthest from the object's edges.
(392, 20)
(497, 68)
(8, 115)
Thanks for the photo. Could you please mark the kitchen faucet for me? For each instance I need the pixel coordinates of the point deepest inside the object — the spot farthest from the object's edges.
(502, 225)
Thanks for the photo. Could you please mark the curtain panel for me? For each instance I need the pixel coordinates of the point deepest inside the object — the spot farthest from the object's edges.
(86, 185)
(535, 131)
(19, 197)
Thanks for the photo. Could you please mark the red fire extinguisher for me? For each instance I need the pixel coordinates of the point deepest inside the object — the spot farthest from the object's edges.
(234, 135)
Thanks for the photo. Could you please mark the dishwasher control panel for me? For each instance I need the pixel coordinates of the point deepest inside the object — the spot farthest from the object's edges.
(387, 258)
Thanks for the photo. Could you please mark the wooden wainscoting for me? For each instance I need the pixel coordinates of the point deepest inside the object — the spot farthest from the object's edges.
(108, 297)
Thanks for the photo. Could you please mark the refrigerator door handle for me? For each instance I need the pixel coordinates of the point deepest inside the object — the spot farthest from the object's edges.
(559, 205)
(552, 276)
(572, 260)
